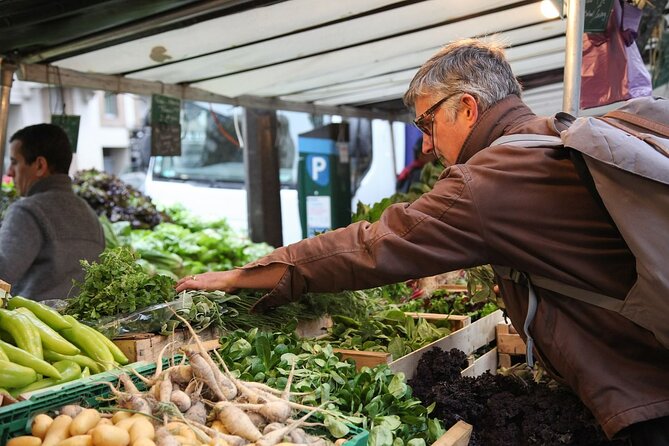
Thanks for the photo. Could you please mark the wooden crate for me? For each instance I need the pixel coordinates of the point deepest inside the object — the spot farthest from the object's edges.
(509, 343)
(458, 435)
(457, 321)
(364, 358)
(371, 359)
(469, 339)
(313, 328)
(147, 346)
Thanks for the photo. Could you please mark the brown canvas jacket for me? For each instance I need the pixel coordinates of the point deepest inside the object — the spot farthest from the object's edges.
(522, 208)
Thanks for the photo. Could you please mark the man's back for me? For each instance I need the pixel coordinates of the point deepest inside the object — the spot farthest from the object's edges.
(44, 236)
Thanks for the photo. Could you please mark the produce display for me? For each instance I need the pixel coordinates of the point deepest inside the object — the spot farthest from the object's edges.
(172, 411)
(377, 398)
(119, 201)
(8, 195)
(41, 348)
(519, 409)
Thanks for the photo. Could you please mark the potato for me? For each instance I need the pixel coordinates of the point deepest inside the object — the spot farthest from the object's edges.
(126, 423)
(181, 429)
(118, 416)
(77, 440)
(26, 440)
(40, 425)
(58, 431)
(142, 428)
(143, 442)
(107, 435)
(85, 421)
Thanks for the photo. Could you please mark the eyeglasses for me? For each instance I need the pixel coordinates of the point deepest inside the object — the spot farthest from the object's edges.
(426, 120)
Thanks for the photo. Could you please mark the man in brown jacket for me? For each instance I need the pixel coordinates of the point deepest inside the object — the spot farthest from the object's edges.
(524, 208)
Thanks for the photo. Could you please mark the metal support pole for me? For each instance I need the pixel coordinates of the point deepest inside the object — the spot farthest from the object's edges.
(573, 57)
(6, 77)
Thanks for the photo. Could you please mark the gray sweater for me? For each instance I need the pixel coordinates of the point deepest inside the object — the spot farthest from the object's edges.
(43, 237)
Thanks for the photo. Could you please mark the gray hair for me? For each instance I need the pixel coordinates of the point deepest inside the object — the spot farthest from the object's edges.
(473, 66)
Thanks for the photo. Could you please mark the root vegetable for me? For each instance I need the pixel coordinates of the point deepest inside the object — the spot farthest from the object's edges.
(183, 441)
(71, 410)
(78, 440)
(85, 421)
(181, 400)
(197, 413)
(25, 440)
(237, 422)
(181, 374)
(203, 371)
(165, 390)
(275, 437)
(232, 440)
(58, 431)
(273, 411)
(181, 429)
(106, 435)
(142, 428)
(272, 427)
(40, 425)
(128, 385)
(219, 427)
(121, 415)
(257, 419)
(143, 442)
(340, 441)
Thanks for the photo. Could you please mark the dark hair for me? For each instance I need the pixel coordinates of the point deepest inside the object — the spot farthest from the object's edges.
(47, 140)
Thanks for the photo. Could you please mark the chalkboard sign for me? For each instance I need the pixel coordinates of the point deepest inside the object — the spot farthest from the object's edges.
(165, 126)
(70, 124)
(597, 13)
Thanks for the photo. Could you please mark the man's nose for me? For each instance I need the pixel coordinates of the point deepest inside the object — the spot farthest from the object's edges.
(10, 172)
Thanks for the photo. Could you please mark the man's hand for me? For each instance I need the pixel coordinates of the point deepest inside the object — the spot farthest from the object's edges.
(213, 280)
(264, 277)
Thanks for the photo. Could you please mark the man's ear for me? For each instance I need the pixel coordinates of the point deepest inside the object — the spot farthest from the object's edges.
(470, 109)
(42, 166)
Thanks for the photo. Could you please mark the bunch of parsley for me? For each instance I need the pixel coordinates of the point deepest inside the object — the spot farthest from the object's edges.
(117, 285)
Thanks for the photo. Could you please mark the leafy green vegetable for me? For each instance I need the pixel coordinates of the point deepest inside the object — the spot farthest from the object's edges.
(377, 399)
(110, 196)
(117, 285)
(388, 331)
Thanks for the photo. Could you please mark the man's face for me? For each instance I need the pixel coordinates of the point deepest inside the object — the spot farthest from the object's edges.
(445, 137)
(24, 174)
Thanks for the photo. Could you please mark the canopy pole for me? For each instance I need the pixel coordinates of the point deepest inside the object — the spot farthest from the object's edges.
(573, 57)
(6, 77)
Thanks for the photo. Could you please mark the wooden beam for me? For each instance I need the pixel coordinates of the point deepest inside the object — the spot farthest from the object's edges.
(263, 189)
(49, 74)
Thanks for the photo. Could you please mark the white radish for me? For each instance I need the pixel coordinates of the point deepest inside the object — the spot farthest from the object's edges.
(237, 422)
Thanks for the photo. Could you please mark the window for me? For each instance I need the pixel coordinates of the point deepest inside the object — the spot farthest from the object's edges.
(211, 151)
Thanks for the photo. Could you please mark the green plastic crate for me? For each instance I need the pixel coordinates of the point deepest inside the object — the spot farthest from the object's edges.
(15, 419)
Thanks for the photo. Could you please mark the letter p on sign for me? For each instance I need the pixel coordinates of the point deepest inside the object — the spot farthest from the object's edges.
(318, 165)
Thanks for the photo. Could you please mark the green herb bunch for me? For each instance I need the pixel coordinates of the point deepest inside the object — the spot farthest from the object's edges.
(117, 285)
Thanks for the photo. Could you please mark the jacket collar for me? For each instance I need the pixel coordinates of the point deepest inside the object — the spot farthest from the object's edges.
(492, 124)
(53, 181)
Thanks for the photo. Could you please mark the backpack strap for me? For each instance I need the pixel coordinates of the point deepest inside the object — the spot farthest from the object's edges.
(531, 280)
(645, 137)
(639, 121)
